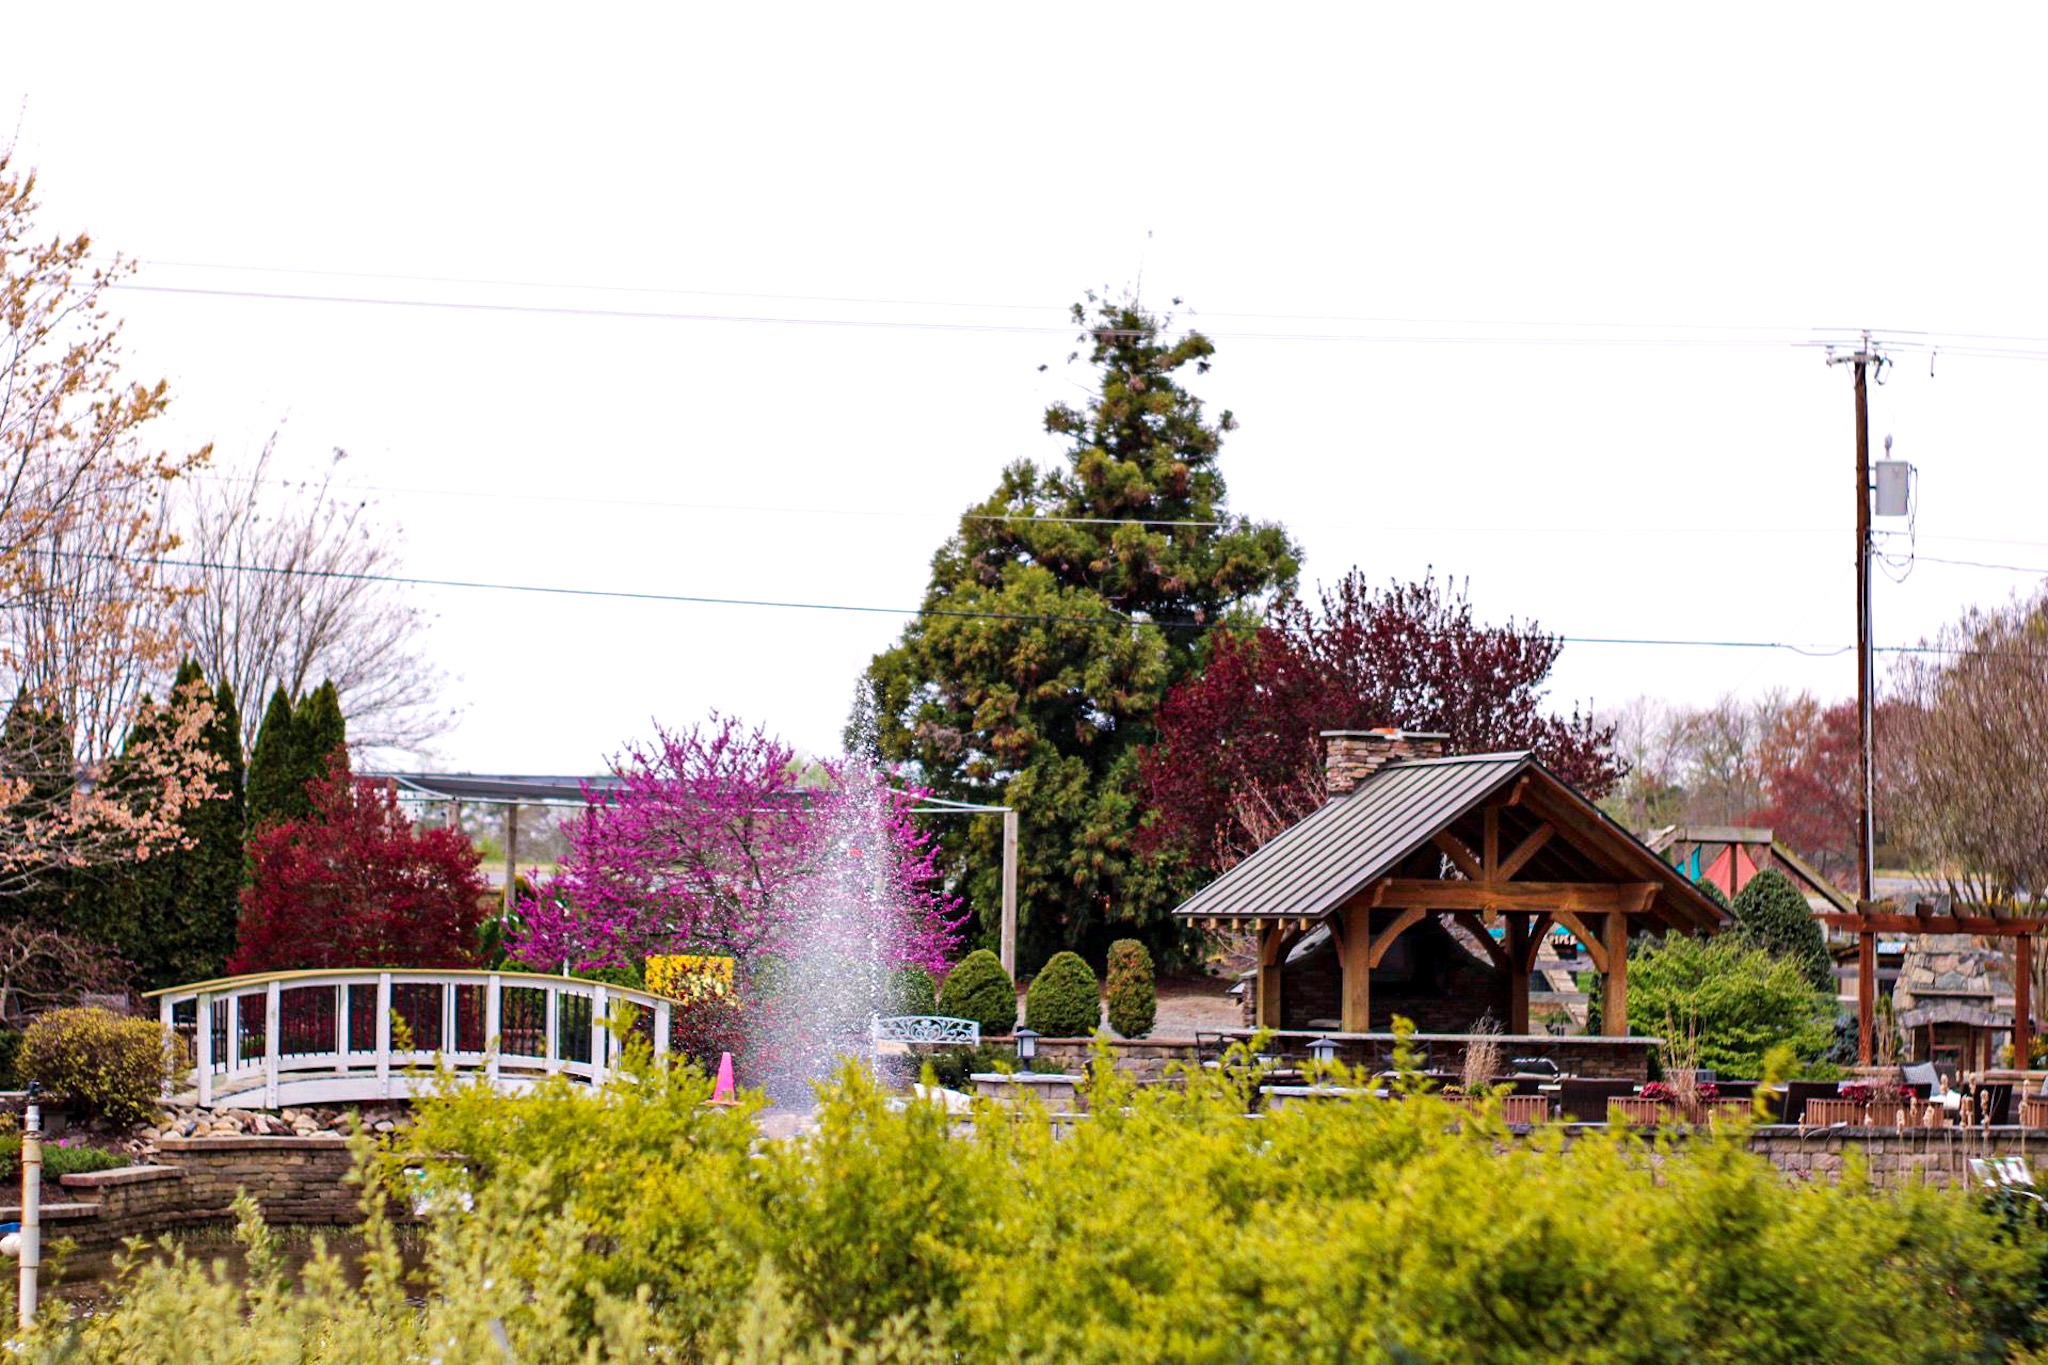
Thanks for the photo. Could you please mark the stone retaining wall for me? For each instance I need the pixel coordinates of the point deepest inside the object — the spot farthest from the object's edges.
(294, 1180)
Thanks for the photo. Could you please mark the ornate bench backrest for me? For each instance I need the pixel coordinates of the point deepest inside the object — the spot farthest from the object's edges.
(926, 1028)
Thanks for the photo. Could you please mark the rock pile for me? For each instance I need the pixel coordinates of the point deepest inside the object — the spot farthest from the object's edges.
(235, 1123)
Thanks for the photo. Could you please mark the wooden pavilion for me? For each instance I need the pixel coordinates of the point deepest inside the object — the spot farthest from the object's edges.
(1486, 842)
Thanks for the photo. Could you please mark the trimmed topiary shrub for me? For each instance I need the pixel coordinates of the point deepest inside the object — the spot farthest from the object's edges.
(1063, 1001)
(912, 991)
(107, 1065)
(979, 989)
(1775, 917)
(1133, 1000)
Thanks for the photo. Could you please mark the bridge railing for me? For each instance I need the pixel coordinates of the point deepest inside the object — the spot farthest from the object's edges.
(310, 1037)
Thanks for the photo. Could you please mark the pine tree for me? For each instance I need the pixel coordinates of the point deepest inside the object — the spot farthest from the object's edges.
(1057, 617)
(276, 789)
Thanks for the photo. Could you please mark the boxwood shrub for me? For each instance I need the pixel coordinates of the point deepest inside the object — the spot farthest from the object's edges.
(1063, 1001)
(979, 989)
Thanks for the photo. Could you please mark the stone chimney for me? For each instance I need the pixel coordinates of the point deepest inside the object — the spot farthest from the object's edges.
(1351, 756)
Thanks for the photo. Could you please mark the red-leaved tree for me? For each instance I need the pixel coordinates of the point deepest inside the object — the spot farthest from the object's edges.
(1238, 757)
(356, 885)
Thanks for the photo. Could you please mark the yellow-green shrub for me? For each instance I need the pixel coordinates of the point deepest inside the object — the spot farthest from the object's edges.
(638, 1224)
(103, 1062)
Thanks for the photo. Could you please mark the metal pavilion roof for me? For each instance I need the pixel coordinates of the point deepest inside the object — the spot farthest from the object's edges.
(498, 789)
(1321, 862)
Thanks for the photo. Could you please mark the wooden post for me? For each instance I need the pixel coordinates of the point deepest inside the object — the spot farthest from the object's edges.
(1518, 972)
(384, 1034)
(1267, 986)
(1355, 963)
(494, 1025)
(2022, 1001)
(202, 1037)
(600, 1001)
(1009, 939)
(448, 1047)
(1866, 996)
(551, 1052)
(341, 998)
(1614, 991)
(272, 1016)
(661, 1027)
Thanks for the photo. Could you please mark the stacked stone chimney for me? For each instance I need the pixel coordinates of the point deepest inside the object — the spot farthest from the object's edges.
(1351, 756)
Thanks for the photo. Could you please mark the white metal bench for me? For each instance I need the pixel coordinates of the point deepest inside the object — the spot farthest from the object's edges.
(912, 1029)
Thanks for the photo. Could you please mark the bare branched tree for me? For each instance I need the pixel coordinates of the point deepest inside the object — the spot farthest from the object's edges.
(42, 969)
(286, 590)
(1972, 756)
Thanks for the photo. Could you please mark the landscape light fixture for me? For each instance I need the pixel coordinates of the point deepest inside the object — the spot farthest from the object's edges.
(1324, 1050)
(1027, 1044)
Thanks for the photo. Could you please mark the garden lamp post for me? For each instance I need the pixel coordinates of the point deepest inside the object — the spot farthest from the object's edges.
(1027, 1044)
(1323, 1050)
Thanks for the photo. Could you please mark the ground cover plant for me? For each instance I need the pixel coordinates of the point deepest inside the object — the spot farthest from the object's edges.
(639, 1223)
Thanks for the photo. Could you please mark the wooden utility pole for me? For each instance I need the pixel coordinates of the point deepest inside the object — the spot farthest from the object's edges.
(1009, 929)
(1866, 840)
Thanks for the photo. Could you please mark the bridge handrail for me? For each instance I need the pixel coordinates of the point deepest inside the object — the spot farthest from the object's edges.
(372, 1067)
(332, 976)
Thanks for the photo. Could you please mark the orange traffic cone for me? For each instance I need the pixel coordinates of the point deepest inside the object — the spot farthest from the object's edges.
(725, 1092)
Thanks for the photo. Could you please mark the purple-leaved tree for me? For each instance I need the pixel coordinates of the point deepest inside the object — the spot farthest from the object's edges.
(712, 843)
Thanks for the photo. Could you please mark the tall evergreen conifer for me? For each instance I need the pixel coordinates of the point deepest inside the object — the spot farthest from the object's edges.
(1060, 612)
(35, 746)
(318, 730)
(276, 786)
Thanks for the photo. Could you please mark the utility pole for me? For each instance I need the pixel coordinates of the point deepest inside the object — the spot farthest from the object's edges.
(1865, 357)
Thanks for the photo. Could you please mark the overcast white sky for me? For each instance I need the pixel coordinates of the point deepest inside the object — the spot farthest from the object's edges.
(1323, 186)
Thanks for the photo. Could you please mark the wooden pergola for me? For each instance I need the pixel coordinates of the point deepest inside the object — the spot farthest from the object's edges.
(1872, 918)
(1486, 841)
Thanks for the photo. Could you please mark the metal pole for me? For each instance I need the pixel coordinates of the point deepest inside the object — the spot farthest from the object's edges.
(1009, 942)
(31, 1205)
(511, 859)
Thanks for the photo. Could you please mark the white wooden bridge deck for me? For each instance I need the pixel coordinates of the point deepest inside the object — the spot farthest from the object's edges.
(326, 1037)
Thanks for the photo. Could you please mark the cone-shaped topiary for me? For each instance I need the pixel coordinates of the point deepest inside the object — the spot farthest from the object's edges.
(1133, 1003)
(1774, 915)
(979, 989)
(1063, 1001)
(912, 991)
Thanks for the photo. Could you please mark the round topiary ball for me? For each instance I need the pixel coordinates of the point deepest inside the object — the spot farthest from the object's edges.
(1133, 1001)
(1063, 1001)
(979, 989)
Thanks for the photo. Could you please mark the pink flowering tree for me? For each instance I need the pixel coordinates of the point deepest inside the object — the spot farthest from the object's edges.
(711, 842)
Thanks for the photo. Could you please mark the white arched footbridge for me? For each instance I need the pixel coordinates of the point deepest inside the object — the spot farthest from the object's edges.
(326, 1037)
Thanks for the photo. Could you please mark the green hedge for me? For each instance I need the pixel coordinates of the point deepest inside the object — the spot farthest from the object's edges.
(1133, 1000)
(979, 989)
(1064, 1001)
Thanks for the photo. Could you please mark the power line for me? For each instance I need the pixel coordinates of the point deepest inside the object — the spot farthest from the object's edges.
(1113, 622)
(912, 324)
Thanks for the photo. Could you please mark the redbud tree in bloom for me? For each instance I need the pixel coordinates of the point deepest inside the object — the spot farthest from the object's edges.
(709, 843)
